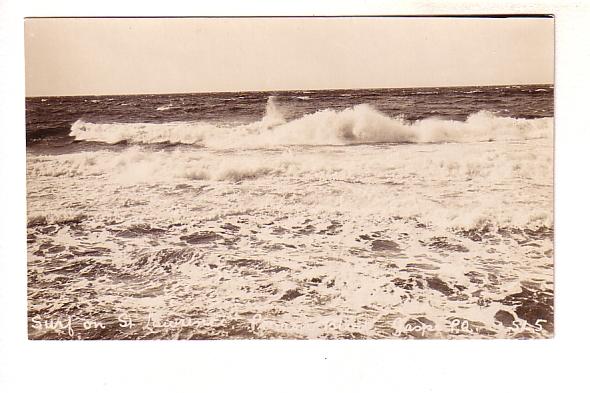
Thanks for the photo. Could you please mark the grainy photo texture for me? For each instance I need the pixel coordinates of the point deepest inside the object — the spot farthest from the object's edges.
(300, 178)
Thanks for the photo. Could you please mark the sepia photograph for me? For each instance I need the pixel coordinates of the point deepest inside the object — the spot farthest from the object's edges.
(338, 178)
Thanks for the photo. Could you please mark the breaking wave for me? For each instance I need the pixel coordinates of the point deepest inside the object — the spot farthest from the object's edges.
(356, 125)
(165, 107)
(363, 181)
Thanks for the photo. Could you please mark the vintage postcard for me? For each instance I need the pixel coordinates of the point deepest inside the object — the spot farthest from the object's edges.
(290, 178)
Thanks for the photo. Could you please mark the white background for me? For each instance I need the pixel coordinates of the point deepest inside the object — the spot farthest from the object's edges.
(332, 366)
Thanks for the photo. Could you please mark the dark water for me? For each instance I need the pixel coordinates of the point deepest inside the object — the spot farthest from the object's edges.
(49, 118)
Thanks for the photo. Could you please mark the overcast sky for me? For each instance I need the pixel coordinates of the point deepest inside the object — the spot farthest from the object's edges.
(129, 56)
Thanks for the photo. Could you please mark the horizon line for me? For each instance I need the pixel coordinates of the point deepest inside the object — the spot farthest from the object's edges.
(288, 90)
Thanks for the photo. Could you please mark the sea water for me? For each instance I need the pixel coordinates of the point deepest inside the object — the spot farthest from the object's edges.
(422, 213)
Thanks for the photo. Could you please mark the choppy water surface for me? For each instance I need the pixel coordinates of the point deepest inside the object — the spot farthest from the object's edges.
(413, 213)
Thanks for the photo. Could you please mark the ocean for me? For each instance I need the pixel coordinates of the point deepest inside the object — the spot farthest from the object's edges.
(371, 213)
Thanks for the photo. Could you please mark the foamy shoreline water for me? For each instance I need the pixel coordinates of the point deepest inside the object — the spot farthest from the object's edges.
(385, 235)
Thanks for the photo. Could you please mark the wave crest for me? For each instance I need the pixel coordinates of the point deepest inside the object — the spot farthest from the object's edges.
(355, 125)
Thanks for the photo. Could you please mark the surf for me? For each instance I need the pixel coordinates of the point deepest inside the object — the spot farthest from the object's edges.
(359, 124)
